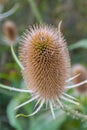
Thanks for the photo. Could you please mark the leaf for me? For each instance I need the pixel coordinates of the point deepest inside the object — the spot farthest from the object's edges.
(46, 122)
(12, 114)
(79, 44)
(18, 123)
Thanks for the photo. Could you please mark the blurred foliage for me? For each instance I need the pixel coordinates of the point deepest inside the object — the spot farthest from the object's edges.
(73, 13)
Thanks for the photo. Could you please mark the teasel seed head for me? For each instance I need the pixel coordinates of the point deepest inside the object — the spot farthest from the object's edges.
(46, 62)
(10, 32)
(46, 67)
(79, 69)
(3, 1)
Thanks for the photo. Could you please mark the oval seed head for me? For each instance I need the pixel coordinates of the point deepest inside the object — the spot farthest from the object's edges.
(10, 31)
(45, 58)
(79, 69)
(3, 1)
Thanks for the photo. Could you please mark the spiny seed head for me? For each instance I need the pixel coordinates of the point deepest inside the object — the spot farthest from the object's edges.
(45, 58)
(10, 31)
(79, 69)
(3, 1)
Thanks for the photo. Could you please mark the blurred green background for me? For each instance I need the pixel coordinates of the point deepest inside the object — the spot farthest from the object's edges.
(73, 14)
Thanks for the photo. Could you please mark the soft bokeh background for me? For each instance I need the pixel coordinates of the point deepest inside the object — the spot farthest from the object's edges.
(73, 13)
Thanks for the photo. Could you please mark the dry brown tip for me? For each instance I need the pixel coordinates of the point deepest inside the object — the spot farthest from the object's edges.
(3, 1)
(45, 58)
(79, 69)
(10, 31)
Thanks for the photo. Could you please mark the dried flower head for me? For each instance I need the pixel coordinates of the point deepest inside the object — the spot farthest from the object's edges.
(79, 69)
(45, 59)
(3, 1)
(10, 31)
(45, 67)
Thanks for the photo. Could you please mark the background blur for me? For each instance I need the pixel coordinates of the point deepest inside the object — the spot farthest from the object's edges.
(73, 13)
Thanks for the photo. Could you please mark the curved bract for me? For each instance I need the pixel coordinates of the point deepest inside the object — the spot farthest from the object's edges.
(10, 12)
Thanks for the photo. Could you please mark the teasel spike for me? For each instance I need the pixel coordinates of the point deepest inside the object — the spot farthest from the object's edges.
(10, 32)
(45, 58)
(48, 37)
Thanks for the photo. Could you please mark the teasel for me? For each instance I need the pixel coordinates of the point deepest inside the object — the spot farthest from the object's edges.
(11, 36)
(44, 55)
(80, 69)
(45, 59)
(10, 32)
(3, 1)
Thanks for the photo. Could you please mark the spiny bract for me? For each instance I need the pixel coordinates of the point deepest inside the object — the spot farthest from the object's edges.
(79, 69)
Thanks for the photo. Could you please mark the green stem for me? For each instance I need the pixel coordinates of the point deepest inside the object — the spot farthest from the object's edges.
(35, 10)
(75, 113)
(15, 57)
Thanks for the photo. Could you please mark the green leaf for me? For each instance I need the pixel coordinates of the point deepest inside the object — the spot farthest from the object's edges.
(46, 121)
(18, 123)
(79, 44)
(12, 114)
